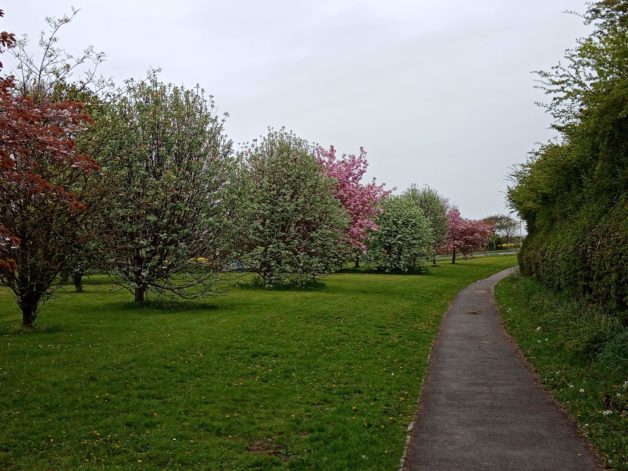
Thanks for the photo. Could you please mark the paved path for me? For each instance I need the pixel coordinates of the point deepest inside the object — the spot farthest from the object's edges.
(481, 406)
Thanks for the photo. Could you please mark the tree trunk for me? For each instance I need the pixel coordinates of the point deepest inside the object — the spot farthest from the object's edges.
(140, 292)
(28, 305)
(434, 259)
(77, 279)
(65, 277)
(357, 261)
(453, 256)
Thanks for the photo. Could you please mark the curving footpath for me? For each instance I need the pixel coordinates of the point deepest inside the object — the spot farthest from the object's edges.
(481, 405)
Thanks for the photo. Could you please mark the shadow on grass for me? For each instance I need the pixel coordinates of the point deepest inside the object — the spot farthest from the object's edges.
(374, 271)
(167, 306)
(315, 285)
(19, 329)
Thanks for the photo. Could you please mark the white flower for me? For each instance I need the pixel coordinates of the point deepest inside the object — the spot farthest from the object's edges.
(538, 328)
(581, 390)
(571, 386)
(607, 412)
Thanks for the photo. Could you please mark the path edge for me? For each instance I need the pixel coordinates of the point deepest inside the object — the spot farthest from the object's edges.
(571, 420)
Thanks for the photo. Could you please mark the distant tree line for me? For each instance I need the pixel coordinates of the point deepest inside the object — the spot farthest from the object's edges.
(141, 182)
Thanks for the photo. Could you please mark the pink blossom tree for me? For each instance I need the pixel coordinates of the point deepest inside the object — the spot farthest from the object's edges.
(465, 235)
(359, 200)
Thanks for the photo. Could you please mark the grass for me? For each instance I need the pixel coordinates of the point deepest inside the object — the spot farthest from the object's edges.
(253, 379)
(581, 355)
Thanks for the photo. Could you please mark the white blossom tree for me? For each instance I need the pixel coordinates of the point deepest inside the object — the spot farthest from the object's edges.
(404, 236)
(295, 224)
(170, 212)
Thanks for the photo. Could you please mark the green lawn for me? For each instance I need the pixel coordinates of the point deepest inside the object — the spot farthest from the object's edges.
(581, 355)
(253, 379)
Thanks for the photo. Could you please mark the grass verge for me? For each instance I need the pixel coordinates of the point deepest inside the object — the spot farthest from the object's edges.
(252, 379)
(581, 355)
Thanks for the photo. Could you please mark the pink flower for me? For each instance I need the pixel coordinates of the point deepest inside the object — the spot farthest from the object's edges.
(359, 200)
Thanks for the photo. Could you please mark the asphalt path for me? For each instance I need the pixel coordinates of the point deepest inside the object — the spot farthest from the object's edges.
(482, 406)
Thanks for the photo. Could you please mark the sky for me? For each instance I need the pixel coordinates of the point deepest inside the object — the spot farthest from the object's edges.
(439, 93)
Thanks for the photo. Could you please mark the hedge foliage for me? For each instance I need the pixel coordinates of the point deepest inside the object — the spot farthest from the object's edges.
(572, 194)
(587, 255)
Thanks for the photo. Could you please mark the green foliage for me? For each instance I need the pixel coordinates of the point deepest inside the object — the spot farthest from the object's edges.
(404, 237)
(434, 207)
(261, 380)
(294, 224)
(504, 230)
(169, 214)
(587, 256)
(581, 355)
(573, 194)
(592, 70)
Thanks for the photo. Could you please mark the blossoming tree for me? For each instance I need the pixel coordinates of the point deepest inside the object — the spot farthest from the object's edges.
(404, 237)
(294, 224)
(359, 200)
(465, 235)
(435, 208)
(169, 218)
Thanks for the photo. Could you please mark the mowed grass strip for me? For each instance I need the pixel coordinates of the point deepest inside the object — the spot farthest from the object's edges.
(581, 355)
(253, 379)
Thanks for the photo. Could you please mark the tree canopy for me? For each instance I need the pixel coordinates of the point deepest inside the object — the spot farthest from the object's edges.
(465, 235)
(572, 193)
(360, 200)
(45, 183)
(295, 225)
(169, 167)
(434, 207)
(404, 236)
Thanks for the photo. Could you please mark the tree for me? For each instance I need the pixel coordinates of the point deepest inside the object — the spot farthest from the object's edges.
(50, 73)
(504, 229)
(43, 184)
(592, 70)
(296, 226)
(434, 207)
(573, 193)
(169, 210)
(403, 238)
(465, 235)
(359, 200)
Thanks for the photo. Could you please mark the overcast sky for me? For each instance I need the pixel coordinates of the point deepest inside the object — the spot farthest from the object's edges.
(439, 93)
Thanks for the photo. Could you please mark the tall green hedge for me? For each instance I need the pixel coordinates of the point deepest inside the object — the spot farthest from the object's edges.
(574, 199)
(573, 194)
(587, 255)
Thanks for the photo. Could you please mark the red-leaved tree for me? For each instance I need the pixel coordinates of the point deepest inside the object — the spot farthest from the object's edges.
(7, 40)
(43, 181)
(359, 200)
(465, 235)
